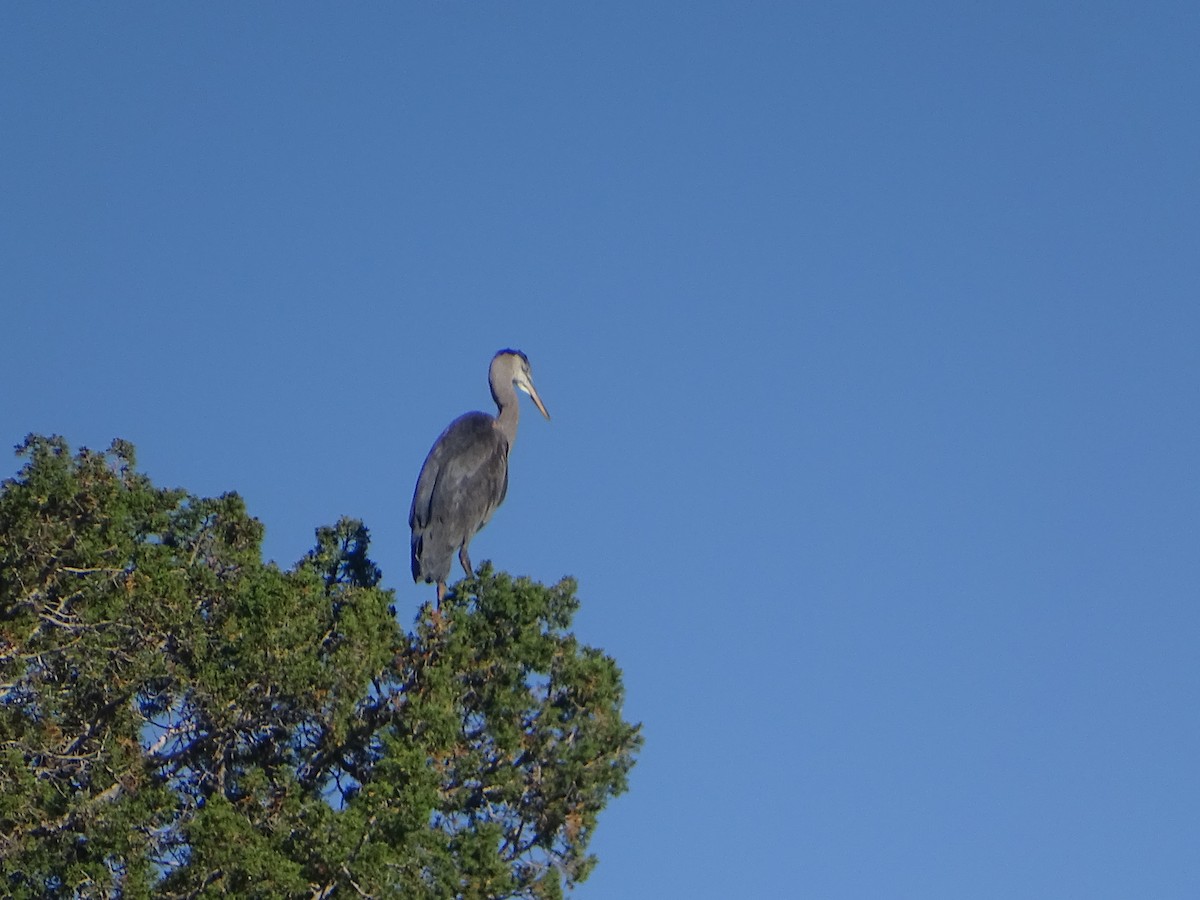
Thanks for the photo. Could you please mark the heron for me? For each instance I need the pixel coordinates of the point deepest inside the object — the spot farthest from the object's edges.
(465, 475)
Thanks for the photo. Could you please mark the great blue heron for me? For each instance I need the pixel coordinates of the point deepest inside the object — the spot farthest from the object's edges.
(465, 476)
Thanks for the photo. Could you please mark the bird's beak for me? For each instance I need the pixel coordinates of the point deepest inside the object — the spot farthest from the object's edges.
(538, 400)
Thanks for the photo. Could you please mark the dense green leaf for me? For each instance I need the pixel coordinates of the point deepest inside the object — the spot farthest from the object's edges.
(180, 719)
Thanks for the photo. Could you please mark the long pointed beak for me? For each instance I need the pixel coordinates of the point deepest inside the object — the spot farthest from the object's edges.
(538, 400)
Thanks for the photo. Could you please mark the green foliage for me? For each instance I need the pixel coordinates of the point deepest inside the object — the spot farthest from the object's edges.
(180, 719)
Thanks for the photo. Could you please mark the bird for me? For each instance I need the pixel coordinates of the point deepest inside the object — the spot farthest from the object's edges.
(465, 476)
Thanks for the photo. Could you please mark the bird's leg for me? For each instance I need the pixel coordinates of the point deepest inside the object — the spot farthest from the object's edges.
(466, 561)
(441, 588)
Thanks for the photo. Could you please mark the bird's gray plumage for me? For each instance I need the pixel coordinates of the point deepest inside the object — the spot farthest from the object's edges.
(465, 475)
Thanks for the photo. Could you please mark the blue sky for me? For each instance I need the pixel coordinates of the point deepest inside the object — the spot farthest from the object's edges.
(871, 334)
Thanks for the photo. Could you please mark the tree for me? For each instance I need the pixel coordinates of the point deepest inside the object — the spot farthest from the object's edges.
(180, 719)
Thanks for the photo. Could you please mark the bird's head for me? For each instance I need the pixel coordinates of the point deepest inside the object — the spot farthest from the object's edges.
(515, 365)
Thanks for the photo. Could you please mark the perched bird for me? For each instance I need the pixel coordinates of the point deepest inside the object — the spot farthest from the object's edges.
(465, 476)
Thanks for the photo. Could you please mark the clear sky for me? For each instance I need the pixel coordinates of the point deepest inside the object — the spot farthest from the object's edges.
(871, 334)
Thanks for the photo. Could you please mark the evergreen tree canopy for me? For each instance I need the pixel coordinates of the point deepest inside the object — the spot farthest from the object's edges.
(180, 719)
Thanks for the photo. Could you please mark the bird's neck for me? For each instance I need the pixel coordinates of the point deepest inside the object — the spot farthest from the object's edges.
(509, 414)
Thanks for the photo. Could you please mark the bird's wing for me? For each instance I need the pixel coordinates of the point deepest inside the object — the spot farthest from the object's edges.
(464, 476)
(418, 513)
